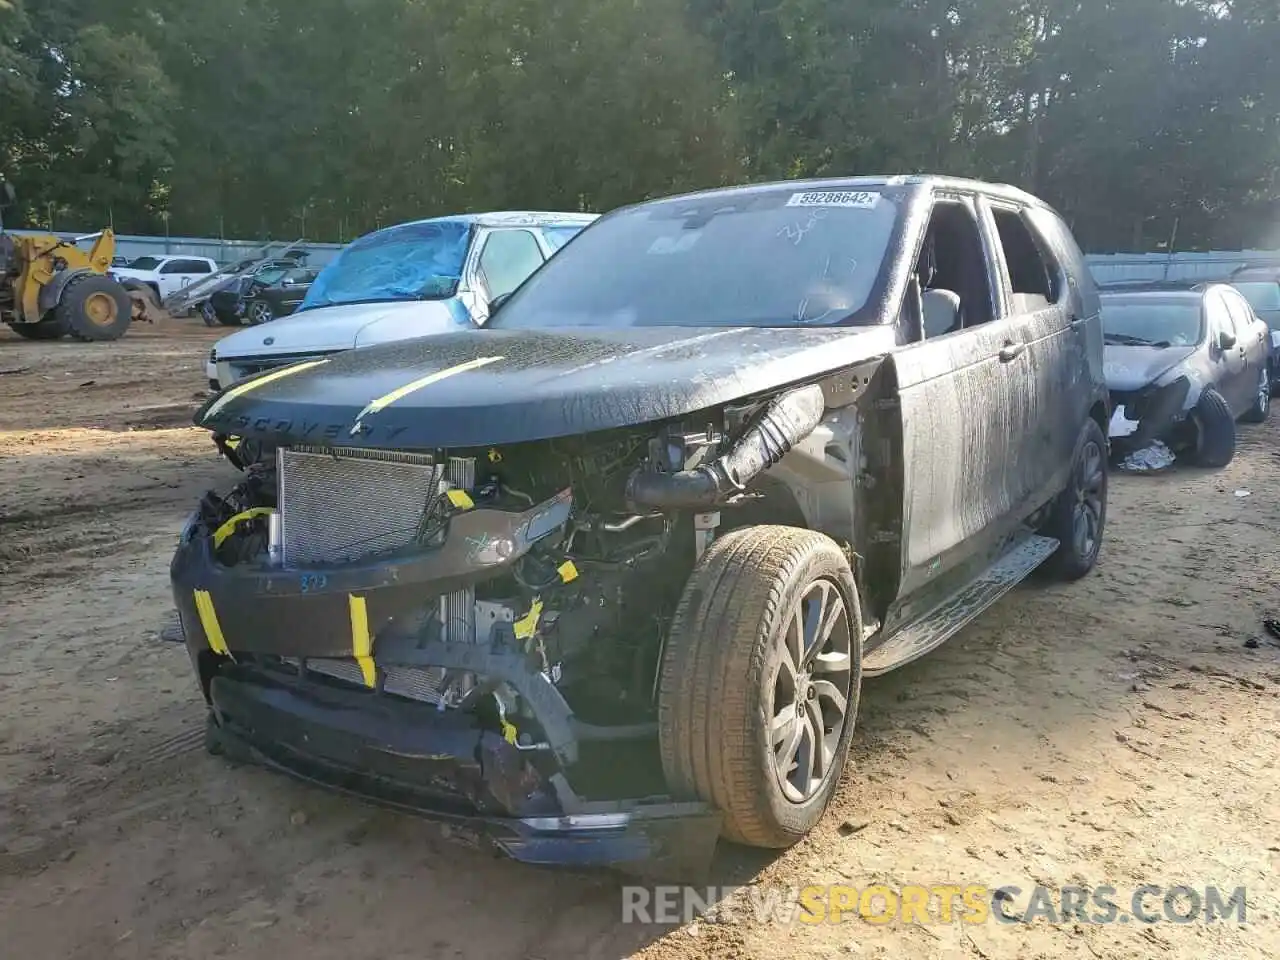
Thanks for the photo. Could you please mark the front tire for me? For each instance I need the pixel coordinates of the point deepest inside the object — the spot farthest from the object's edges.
(94, 307)
(1079, 517)
(1261, 408)
(1215, 431)
(259, 312)
(759, 683)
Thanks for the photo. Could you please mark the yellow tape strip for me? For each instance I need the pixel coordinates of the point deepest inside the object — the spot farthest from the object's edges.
(400, 393)
(209, 623)
(361, 641)
(242, 388)
(227, 529)
(460, 499)
(527, 625)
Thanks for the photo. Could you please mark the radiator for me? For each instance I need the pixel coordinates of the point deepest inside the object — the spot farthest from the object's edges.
(343, 505)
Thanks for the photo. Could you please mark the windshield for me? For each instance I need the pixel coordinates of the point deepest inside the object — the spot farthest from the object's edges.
(1161, 323)
(776, 258)
(145, 263)
(1263, 295)
(414, 261)
(270, 275)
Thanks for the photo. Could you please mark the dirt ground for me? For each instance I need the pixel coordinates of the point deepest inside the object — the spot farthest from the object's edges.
(1118, 731)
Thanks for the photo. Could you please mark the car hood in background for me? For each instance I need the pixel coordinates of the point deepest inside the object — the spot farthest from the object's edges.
(1132, 368)
(489, 387)
(343, 327)
(127, 273)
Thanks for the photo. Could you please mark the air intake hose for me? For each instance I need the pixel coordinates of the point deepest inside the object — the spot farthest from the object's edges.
(788, 420)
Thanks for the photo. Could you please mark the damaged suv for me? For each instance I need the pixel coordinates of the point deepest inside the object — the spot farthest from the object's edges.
(601, 582)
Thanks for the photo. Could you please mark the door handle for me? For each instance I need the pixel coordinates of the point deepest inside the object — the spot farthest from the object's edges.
(1011, 351)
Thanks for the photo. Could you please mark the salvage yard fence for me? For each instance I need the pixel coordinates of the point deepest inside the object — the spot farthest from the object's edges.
(1106, 268)
(221, 250)
(1214, 265)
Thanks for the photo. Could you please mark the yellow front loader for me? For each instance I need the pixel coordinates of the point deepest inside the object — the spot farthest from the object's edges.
(50, 288)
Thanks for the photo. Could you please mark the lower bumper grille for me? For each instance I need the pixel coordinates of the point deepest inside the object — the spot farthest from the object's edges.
(424, 684)
(233, 371)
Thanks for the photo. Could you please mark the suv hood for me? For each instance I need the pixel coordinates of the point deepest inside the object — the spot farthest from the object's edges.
(342, 327)
(1132, 368)
(482, 387)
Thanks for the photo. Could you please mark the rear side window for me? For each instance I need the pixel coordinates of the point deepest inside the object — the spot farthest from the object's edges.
(559, 236)
(185, 266)
(1241, 312)
(1034, 277)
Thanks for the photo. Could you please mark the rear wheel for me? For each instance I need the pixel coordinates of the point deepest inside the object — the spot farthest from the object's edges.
(1079, 516)
(94, 307)
(1215, 431)
(759, 683)
(208, 314)
(1261, 408)
(44, 330)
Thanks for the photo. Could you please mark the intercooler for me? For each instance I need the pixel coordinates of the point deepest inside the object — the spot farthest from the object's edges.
(344, 505)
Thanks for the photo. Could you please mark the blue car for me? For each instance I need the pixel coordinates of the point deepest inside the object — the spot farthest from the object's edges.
(410, 280)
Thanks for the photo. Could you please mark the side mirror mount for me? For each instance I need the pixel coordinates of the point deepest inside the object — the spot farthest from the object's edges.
(1226, 340)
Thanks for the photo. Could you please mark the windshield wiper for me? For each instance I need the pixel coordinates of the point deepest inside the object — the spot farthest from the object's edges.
(1125, 339)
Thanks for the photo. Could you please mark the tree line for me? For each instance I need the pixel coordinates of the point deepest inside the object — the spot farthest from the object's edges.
(1148, 123)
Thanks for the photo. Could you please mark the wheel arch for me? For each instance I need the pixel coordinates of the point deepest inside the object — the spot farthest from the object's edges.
(51, 292)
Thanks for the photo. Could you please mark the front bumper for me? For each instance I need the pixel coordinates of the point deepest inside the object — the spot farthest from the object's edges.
(445, 768)
(1157, 410)
(250, 632)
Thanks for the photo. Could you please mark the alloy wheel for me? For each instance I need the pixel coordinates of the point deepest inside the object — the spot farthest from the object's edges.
(810, 696)
(1086, 515)
(260, 312)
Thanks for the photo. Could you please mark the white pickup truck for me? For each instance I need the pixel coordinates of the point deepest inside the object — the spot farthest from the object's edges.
(165, 275)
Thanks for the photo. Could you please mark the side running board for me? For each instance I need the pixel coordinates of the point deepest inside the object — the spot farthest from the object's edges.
(917, 638)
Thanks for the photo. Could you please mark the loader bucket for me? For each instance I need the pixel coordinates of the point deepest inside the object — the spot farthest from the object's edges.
(144, 304)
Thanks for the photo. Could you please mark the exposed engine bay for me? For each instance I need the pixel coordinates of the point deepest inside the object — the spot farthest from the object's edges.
(609, 527)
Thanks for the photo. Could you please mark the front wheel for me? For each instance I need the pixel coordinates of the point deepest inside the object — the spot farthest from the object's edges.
(259, 311)
(1079, 516)
(94, 307)
(1261, 408)
(759, 682)
(1215, 431)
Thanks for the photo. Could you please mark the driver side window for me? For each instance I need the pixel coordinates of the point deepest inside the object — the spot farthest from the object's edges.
(509, 257)
(955, 290)
(1220, 320)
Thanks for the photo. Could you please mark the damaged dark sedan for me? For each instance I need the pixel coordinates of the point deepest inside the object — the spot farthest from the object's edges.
(601, 582)
(1182, 367)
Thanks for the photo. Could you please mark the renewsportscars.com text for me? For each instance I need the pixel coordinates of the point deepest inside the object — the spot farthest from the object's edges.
(935, 904)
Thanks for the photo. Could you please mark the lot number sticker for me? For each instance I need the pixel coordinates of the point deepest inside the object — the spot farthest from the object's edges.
(859, 199)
